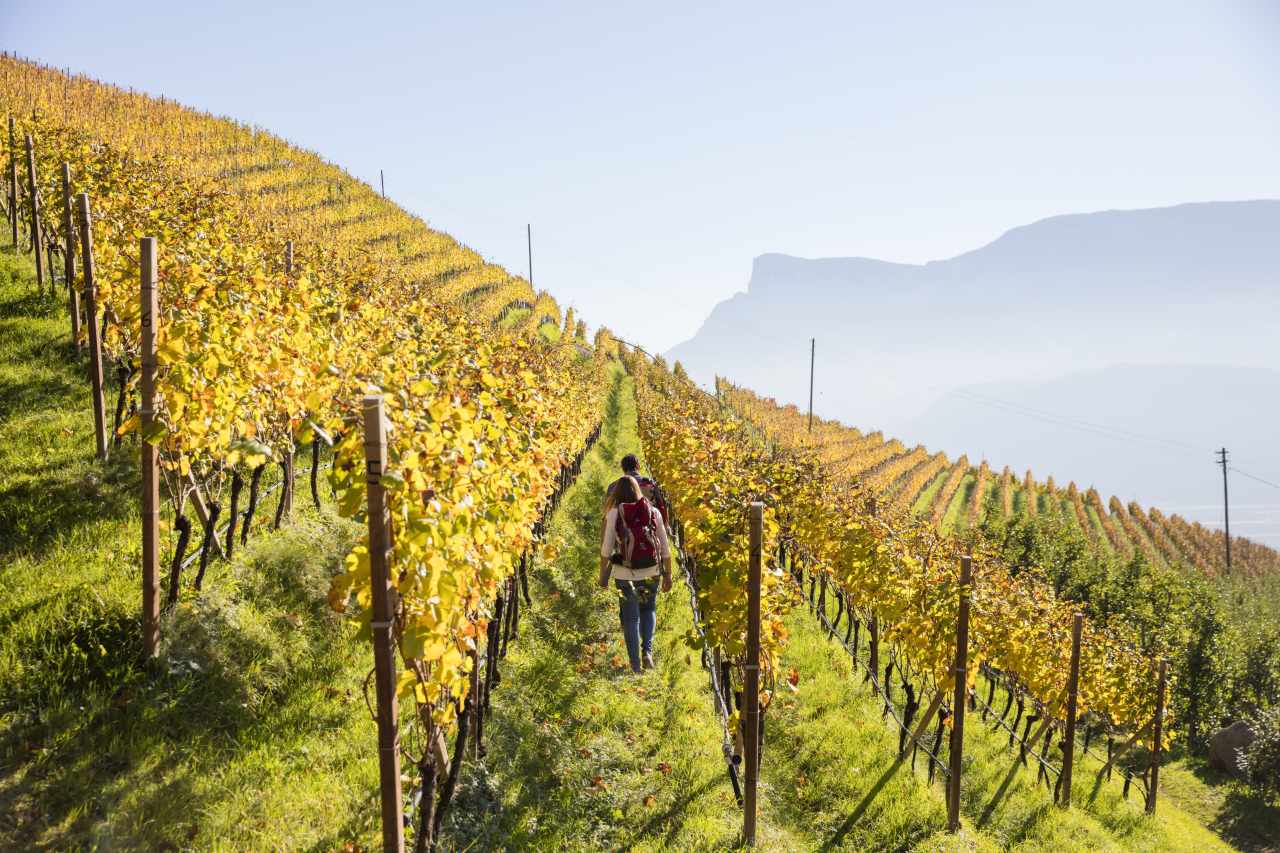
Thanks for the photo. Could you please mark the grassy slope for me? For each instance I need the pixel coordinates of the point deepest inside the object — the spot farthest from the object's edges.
(248, 734)
(954, 518)
(923, 503)
(832, 759)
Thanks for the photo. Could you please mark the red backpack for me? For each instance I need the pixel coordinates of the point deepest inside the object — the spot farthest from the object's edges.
(637, 535)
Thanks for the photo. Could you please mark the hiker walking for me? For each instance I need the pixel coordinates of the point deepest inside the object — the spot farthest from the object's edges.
(636, 556)
(648, 487)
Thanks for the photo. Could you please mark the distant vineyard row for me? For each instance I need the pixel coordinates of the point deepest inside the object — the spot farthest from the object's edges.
(957, 495)
(316, 202)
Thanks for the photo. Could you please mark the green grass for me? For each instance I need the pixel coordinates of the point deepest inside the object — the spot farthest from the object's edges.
(924, 501)
(1224, 804)
(831, 760)
(955, 518)
(550, 332)
(514, 317)
(1100, 534)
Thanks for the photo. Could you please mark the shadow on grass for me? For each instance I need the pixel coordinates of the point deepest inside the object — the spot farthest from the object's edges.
(23, 302)
(856, 815)
(124, 749)
(1243, 819)
(989, 811)
(53, 501)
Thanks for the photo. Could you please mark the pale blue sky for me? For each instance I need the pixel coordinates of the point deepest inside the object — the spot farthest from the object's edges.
(657, 147)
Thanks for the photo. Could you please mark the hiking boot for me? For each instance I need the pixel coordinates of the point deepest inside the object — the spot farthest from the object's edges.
(648, 660)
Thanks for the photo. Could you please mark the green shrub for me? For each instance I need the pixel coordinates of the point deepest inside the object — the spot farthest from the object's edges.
(1261, 759)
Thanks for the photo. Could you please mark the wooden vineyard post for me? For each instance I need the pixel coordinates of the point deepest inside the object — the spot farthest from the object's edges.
(959, 701)
(873, 649)
(91, 318)
(69, 256)
(1073, 692)
(1157, 733)
(13, 184)
(751, 681)
(375, 455)
(150, 468)
(289, 451)
(36, 246)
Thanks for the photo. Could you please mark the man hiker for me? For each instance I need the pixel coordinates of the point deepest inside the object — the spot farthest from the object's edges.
(652, 492)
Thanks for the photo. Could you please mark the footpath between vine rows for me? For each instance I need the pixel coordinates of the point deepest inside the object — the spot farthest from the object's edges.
(583, 755)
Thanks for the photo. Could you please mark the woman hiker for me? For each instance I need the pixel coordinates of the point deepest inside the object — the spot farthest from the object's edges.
(635, 554)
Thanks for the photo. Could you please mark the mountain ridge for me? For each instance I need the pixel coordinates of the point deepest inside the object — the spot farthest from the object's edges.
(1176, 288)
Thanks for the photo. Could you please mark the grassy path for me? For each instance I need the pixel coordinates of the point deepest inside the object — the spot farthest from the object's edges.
(582, 754)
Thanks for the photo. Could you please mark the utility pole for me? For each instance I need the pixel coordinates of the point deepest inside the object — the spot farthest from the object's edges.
(382, 179)
(813, 343)
(1226, 504)
(528, 234)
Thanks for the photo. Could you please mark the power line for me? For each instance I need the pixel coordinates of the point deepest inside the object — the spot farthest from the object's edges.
(1226, 505)
(1089, 426)
(1072, 421)
(1252, 477)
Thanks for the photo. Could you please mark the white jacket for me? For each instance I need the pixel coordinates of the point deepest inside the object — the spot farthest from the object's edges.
(610, 545)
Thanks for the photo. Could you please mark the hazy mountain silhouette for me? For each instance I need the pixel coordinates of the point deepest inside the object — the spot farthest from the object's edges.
(1063, 297)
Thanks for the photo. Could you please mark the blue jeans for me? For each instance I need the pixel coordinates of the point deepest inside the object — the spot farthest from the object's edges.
(638, 608)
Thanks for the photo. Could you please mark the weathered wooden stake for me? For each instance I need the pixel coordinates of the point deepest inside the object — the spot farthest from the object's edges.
(1157, 732)
(961, 694)
(287, 498)
(91, 320)
(202, 510)
(751, 681)
(384, 662)
(36, 246)
(1073, 690)
(873, 649)
(69, 256)
(150, 468)
(13, 183)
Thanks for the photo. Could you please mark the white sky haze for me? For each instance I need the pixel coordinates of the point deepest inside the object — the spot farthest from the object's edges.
(657, 148)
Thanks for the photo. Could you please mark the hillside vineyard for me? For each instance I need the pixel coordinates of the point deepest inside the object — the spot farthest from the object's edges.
(289, 296)
(286, 293)
(956, 495)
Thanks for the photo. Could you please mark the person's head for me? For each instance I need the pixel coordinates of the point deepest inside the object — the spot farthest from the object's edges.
(626, 491)
(630, 464)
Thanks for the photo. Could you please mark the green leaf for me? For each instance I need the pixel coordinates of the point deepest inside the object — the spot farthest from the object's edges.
(153, 432)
